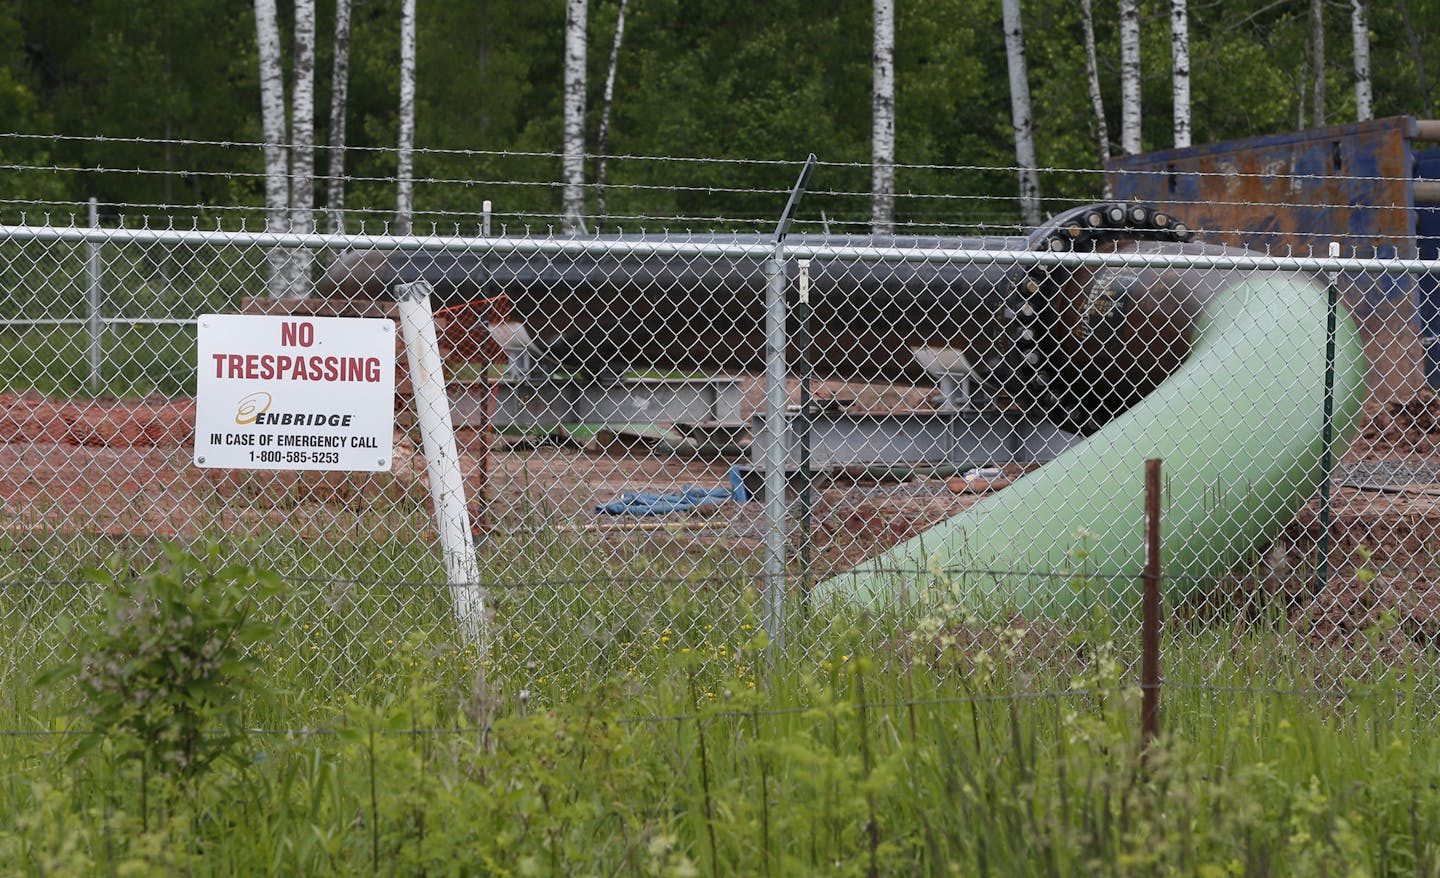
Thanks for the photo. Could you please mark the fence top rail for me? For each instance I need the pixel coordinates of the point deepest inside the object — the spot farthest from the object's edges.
(735, 246)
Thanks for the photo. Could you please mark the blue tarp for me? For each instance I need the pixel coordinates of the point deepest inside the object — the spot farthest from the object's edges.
(684, 500)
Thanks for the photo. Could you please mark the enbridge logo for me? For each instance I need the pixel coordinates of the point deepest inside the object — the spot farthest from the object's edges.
(252, 406)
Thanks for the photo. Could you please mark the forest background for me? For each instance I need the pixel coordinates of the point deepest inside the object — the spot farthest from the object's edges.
(757, 85)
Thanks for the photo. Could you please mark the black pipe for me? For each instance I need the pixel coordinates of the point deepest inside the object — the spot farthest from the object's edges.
(603, 314)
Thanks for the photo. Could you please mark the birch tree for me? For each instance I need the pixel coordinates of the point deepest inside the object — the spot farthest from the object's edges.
(405, 153)
(1092, 81)
(573, 147)
(882, 134)
(1180, 69)
(1130, 77)
(302, 147)
(1020, 114)
(339, 88)
(1317, 46)
(1360, 35)
(606, 102)
(272, 120)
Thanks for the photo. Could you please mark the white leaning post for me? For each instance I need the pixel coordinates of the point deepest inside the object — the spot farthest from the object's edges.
(442, 460)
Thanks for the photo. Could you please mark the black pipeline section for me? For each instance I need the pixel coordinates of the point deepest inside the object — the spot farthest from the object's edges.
(603, 314)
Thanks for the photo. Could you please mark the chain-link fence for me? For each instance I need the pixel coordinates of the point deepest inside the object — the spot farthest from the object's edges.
(680, 441)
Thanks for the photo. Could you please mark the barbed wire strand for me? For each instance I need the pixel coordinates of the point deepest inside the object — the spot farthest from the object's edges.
(622, 157)
(709, 189)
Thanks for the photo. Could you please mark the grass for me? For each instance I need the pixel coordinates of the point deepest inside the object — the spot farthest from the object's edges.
(138, 360)
(137, 283)
(628, 716)
(632, 724)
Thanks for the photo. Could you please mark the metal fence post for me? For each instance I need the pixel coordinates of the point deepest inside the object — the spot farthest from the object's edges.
(1150, 611)
(95, 296)
(802, 428)
(442, 460)
(776, 434)
(1327, 430)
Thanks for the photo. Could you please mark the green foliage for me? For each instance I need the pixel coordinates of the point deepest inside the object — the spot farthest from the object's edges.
(924, 752)
(752, 80)
(165, 673)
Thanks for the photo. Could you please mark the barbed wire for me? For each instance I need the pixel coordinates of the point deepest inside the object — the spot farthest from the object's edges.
(418, 150)
(787, 162)
(1266, 250)
(709, 189)
(920, 218)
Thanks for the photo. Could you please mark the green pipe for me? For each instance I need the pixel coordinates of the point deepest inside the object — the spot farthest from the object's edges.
(1238, 427)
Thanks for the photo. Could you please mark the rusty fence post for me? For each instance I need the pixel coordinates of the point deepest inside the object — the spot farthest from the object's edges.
(1150, 624)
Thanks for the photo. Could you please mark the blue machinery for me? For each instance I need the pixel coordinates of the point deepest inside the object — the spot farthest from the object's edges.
(1372, 186)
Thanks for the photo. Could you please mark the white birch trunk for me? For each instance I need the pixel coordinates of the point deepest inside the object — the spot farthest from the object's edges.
(1092, 81)
(882, 135)
(339, 89)
(1360, 33)
(1020, 114)
(1130, 142)
(405, 153)
(573, 148)
(607, 101)
(1180, 68)
(1317, 42)
(272, 120)
(302, 146)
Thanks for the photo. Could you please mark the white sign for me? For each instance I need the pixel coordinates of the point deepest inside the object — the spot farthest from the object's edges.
(299, 393)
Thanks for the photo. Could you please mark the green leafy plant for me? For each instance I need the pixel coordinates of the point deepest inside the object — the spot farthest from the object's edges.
(165, 670)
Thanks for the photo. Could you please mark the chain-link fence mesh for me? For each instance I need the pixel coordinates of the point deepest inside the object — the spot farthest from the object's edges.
(965, 422)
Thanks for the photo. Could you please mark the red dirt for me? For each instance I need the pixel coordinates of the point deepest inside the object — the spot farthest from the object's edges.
(1400, 429)
(114, 466)
(123, 467)
(101, 423)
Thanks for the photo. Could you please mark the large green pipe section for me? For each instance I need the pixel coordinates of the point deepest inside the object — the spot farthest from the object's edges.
(1238, 427)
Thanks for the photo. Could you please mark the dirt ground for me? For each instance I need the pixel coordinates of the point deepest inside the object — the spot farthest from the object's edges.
(124, 468)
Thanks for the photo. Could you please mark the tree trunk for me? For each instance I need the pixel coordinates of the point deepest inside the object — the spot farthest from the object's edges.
(168, 66)
(882, 134)
(1180, 64)
(1092, 81)
(1130, 142)
(573, 148)
(1360, 34)
(1304, 81)
(272, 120)
(302, 148)
(1317, 42)
(405, 154)
(339, 87)
(1020, 115)
(1418, 56)
(603, 141)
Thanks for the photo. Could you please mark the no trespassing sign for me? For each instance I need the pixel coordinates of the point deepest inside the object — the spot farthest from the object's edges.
(295, 393)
